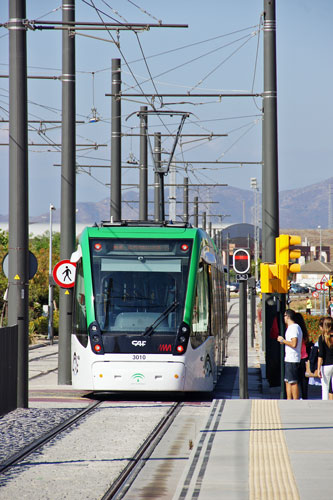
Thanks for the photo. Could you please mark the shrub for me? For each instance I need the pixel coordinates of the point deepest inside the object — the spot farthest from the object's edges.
(312, 325)
(40, 325)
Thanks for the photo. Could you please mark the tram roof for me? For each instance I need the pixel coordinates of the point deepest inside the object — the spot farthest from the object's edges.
(143, 228)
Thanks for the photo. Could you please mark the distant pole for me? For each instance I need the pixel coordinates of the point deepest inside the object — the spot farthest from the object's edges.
(157, 177)
(50, 323)
(243, 364)
(185, 199)
(196, 211)
(210, 231)
(143, 204)
(228, 267)
(203, 221)
(172, 193)
(68, 190)
(115, 202)
(18, 274)
(251, 282)
(270, 187)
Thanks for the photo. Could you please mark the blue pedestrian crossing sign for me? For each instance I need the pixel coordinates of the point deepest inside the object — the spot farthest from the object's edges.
(64, 273)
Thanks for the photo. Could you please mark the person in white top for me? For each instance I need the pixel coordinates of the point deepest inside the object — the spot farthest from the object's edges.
(292, 358)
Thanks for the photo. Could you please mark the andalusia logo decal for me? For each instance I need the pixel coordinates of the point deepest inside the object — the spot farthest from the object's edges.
(137, 378)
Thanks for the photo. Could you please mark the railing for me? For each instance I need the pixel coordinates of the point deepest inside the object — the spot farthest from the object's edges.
(8, 369)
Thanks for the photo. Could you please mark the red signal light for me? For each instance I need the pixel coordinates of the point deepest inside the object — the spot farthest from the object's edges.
(98, 246)
(180, 348)
(184, 247)
(97, 347)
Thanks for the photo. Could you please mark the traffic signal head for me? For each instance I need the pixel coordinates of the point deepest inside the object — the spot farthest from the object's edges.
(268, 277)
(241, 261)
(285, 252)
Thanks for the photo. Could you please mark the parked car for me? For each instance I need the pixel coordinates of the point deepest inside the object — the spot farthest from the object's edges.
(296, 288)
(233, 287)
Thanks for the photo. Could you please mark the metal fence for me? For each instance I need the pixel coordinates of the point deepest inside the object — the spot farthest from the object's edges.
(8, 369)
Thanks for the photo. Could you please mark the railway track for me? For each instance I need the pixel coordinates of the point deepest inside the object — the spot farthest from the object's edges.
(14, 469)
(120, 486)
(38, 443)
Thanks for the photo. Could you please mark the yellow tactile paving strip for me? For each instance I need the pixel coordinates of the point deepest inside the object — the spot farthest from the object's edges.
(270, 472)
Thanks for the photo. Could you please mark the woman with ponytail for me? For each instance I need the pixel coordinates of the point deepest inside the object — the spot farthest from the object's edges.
(325, 356)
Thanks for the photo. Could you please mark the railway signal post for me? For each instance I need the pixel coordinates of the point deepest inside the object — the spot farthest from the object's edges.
(241, 265)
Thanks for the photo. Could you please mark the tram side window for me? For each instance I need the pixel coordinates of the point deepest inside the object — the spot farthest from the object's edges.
(216, 300)
(80, 317)
(200, 320)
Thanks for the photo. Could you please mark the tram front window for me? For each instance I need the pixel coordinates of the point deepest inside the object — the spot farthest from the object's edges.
(137, 280)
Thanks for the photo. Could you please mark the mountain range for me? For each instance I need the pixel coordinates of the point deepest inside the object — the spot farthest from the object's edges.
(301, 208)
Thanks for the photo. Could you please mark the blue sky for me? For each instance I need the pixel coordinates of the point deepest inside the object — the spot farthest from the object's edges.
(224, 60)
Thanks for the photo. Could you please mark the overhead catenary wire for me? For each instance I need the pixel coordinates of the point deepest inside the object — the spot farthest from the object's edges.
(247, 37)
(199, 122)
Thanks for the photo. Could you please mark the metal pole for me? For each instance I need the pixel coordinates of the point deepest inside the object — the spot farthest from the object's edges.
(68, 190)
(143, 205)
(115, 202)
(252, 292)
(270, 199)
(196, 211)
(18, 277)
(282, 328)
(203, 221)
(50, 323)
(161, 207)
(157, 177)
(243, 377)
(172, 193)
(228, 267)
(185, 199)
(210, 232)
(270, 188)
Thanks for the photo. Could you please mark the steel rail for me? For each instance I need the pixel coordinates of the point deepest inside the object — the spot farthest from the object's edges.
(125, 479)
(38, 443)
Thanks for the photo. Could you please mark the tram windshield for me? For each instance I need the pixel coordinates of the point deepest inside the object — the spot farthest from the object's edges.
(136, 280)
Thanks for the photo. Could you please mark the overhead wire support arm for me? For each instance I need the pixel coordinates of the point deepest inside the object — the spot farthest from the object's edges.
(158, 168)
(182, 121)
(219, 162)
(44, 25)
(125, 134)
(188, 94)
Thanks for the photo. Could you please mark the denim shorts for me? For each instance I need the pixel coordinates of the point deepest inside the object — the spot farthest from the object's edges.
(291, 372)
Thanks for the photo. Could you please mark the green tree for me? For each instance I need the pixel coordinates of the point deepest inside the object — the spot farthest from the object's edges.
(38, 285)
(3, 279)
(38, 289)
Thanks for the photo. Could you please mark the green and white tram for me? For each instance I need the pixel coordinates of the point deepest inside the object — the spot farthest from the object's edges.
(150, 310)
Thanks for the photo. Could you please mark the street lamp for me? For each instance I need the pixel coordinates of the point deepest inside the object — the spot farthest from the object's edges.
(50, 323)
(319, 227)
